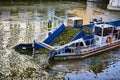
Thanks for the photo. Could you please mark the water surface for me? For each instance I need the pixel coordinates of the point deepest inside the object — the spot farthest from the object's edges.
(32, 18)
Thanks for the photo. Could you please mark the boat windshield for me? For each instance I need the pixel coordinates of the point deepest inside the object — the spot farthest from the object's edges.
(98, 31)
(107, 31)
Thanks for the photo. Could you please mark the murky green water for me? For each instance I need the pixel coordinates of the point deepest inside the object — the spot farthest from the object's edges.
(30, 19)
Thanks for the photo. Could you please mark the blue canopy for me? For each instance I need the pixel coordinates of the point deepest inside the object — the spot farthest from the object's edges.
(115, 23)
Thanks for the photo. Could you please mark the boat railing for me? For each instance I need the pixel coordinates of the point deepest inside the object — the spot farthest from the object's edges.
(116, 36)
(76, 47)
(90, 44)
(73, 48)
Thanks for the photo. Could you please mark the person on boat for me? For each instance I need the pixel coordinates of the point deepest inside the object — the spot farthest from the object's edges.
(78, 50)
(49, 26)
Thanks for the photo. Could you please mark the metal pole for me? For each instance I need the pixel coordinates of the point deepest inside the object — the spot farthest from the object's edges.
(118, 35)
(33, 54)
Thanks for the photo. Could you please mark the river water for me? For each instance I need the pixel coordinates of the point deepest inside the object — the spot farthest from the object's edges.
(21, 21)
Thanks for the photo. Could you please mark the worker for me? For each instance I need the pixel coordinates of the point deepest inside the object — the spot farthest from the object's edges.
(49, 25)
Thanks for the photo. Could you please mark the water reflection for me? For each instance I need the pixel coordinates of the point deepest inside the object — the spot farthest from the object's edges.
(100, 67)
(1, 38)
(5, 15)
(98, 10)
(112, 72)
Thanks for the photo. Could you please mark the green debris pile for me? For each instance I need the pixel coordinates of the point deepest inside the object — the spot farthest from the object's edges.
(66, 36)
(87, 30)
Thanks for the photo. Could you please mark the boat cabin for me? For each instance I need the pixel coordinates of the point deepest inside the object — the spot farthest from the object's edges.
(74, 21)
(103, 34)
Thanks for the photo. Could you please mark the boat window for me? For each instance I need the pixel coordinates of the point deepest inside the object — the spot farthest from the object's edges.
(107, 31)
(70, 22)
(78, 22)
(81, 44)
(98, 31)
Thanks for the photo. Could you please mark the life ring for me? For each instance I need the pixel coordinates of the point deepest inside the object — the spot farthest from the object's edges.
(108, 40)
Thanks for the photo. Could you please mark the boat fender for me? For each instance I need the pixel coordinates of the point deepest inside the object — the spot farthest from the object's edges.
(108, 40)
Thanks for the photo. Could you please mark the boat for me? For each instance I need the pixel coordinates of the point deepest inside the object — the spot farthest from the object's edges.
(114, 5)
(102, 36)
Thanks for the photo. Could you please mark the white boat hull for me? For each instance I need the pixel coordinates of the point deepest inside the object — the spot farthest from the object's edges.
(88, 53)
(110, 7)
